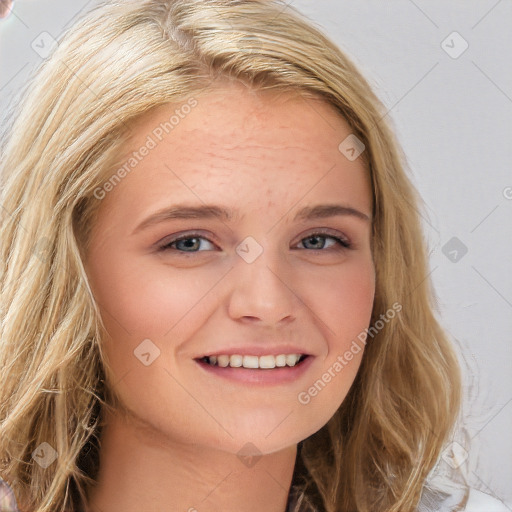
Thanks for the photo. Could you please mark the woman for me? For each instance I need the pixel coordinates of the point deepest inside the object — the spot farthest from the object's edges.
(213, 276)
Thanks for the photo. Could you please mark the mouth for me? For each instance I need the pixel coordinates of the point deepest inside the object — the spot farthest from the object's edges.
(256, 370)
(263, 362)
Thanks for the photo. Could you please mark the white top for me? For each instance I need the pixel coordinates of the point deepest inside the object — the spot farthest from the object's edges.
(480, 502)
(436, 501)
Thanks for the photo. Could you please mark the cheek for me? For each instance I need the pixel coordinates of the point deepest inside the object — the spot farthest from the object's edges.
(145, 300)
(342, 300)
(139, 303)
(343, 303)
(354, 297)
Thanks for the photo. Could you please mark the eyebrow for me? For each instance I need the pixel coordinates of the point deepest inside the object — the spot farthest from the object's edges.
(212, 211)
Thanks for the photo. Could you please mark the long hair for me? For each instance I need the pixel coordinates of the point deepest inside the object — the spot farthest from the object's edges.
(119, 61)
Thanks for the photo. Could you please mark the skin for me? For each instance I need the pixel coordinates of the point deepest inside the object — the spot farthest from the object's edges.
(174, 445)
(5, 8)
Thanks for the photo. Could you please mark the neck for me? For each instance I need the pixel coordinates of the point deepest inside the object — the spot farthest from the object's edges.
(138, 473)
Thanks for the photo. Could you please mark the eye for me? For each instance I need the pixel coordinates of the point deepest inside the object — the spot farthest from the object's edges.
(318, 241)
(185, 243)
(192, 242)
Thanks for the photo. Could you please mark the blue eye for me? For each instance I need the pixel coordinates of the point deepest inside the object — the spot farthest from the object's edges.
(191, 243)
(186, 243)
(319, 236)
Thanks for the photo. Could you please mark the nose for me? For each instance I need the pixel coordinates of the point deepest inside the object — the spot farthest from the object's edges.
(262, 291)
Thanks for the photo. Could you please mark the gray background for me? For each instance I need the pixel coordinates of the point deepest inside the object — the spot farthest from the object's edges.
(452, 111)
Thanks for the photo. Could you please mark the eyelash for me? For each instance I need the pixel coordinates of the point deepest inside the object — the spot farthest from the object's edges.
(343, 244)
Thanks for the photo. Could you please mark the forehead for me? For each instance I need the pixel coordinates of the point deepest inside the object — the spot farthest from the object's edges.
(232, 143)
(218, 114)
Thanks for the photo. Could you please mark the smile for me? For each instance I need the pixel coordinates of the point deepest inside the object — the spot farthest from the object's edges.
(254, 362)
(256, 370)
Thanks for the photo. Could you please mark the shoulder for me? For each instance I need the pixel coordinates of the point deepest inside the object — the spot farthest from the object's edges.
(480, 502)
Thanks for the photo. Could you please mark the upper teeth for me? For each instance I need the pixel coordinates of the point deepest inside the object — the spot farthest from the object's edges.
(268, 361)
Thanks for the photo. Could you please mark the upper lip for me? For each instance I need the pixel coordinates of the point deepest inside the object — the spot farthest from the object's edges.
(248, 350)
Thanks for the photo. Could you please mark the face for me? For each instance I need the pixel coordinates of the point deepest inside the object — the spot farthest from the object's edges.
(278, 264)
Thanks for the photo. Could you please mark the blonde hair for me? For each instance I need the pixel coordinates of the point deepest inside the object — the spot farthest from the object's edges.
(120, 60)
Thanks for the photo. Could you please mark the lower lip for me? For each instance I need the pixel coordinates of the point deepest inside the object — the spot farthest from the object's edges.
(266, 376)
